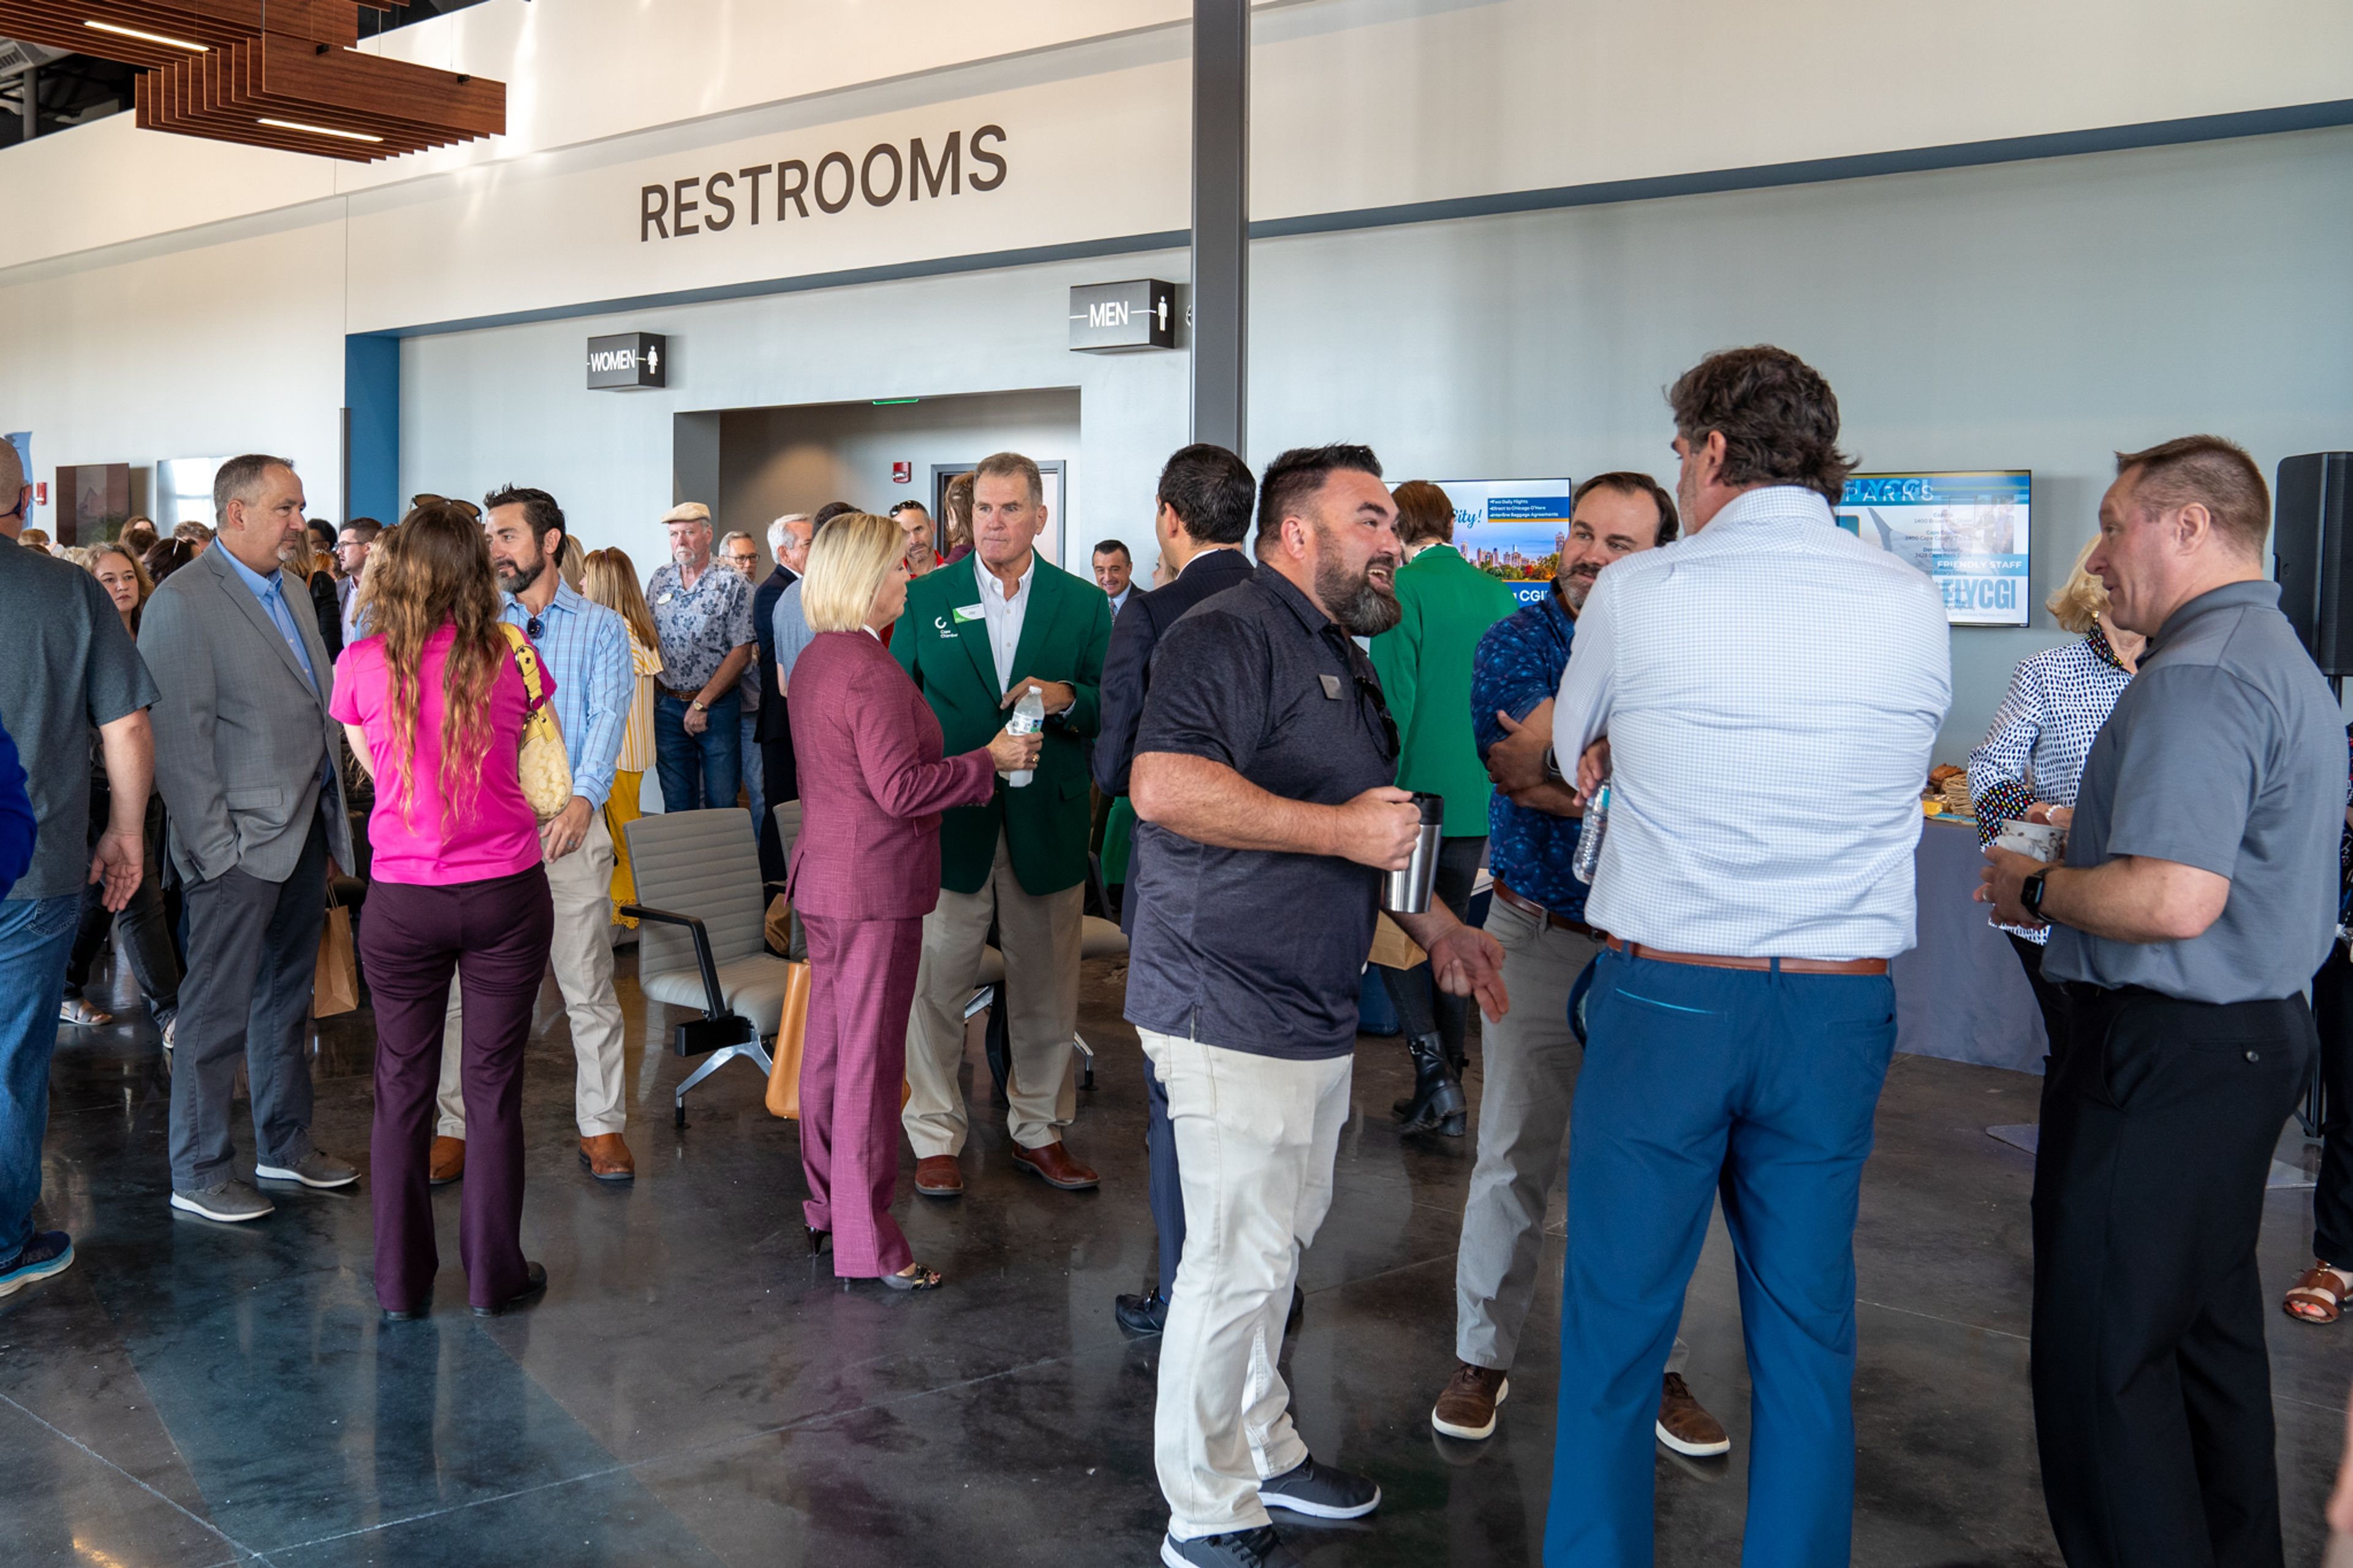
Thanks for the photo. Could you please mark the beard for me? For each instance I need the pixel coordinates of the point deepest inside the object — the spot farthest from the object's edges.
(515, 579)
(1364, 607)
(1575, 587)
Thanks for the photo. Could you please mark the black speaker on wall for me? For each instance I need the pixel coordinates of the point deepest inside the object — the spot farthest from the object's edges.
(2312, 553)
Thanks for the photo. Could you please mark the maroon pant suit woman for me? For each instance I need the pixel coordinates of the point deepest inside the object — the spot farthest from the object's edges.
(865, 872)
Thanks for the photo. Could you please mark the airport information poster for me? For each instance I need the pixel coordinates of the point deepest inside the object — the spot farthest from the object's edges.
(1512, 528)
(1969, 532)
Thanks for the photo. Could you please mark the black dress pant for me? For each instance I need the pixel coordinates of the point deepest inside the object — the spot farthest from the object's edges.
(780, 780)
(2050, 996)
(2152, 1389)
(2332, 1197)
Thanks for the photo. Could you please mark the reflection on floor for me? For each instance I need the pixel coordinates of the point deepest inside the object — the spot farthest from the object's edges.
(691, 1390)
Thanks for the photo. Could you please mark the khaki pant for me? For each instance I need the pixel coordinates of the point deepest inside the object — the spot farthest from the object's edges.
(1256, 1137)
(582, 956)
(1528, 1063)
(1038, 935)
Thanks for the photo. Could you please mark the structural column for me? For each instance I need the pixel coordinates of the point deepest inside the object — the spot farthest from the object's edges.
(1221, 40)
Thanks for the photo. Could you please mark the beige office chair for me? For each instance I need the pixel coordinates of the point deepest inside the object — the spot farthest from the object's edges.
(702, 941)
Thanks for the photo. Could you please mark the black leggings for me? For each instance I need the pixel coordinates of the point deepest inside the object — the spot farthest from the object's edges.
(2332, 1195)
(1422, 1009)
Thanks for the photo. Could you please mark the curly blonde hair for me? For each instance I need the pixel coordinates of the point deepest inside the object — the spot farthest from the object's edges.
(2082, 599)
(434, 570)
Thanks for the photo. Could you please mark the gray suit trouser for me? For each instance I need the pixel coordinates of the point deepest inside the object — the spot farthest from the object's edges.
(253, 951)
(1528, 1064)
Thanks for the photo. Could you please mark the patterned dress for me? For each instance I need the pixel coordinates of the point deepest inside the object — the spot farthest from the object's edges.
(2058, 700)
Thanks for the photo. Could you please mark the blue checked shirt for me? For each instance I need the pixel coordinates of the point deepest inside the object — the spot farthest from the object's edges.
(1518, 665)
(1771, 688)
(586, 649)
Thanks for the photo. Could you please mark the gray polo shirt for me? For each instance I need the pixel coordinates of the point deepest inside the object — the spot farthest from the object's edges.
(1248, 949)
(70, 668)
(2226, 752)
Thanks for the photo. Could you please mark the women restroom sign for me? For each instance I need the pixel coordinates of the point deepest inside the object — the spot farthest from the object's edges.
(626, 361)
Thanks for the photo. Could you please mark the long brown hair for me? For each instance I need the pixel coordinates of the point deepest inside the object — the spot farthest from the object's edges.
(431, 572)
(608, 577)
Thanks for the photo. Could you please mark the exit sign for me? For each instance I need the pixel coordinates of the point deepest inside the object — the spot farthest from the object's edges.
(1107, 317)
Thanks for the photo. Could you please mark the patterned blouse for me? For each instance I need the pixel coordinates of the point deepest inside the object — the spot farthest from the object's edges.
(2044, 728)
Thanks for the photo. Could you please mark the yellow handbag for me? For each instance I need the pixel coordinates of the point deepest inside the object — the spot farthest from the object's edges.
(545, 771)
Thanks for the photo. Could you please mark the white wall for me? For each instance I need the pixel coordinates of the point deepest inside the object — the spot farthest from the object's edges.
(777, 461)
(2039, 315)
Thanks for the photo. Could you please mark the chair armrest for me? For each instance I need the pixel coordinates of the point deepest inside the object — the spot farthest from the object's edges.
(715, 1006)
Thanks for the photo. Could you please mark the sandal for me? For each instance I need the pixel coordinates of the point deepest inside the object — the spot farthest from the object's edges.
(78, 1010)
(918, 1278)
(2320, 1296)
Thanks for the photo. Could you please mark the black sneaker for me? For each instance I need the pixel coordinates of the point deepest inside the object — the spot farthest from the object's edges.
(1259, 1548)
(1320, 1492)
(48, 1252)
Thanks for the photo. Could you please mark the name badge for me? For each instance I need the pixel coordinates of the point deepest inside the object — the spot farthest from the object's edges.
(967, 613)
(1331, 686)
(664, 599)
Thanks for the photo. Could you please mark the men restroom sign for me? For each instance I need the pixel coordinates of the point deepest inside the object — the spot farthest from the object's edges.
(628, 360)
(1110, 317)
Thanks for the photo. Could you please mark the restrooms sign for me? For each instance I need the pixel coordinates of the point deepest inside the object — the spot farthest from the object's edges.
(801, 188)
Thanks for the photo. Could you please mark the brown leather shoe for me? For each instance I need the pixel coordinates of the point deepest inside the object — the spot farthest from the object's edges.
(1054, 1163)
(607, 1159)
(936, 1176)
(1684, 1426)
(1466, 1405)
(447, 1163)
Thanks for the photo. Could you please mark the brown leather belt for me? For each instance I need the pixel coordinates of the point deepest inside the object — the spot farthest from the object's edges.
(1786, 965)
(675, 695)
(1536, 911)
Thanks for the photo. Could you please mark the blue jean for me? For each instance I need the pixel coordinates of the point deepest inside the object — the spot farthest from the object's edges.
(701, 770)
(36, 938)
(747, 753)
(1758, 1087)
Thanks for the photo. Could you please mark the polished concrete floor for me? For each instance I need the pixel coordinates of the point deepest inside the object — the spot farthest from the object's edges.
(692, 1390)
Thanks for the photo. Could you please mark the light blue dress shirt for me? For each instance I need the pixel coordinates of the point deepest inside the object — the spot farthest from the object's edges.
(272, 591)
(586, 648)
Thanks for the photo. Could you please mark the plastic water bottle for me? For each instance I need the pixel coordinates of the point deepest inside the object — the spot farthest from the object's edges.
(1588, 840)
(1028, 718)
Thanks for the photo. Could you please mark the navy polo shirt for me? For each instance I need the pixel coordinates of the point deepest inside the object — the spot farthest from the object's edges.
(1251, 950)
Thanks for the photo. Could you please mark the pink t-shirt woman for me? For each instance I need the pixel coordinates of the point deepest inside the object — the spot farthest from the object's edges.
(492, 833)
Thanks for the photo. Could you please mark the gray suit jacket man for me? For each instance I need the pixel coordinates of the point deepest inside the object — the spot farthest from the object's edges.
(239, 733)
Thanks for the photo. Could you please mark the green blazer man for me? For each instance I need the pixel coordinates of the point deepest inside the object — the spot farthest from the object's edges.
(975, 637)
(1424, 663)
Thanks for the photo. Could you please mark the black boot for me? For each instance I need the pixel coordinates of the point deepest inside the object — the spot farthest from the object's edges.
(1437, 1101)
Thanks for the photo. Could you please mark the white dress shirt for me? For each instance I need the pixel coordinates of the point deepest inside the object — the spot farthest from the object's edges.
(1004, 613)
(1771, 688)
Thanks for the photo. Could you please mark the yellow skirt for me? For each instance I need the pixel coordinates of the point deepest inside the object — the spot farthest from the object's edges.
(620, 810)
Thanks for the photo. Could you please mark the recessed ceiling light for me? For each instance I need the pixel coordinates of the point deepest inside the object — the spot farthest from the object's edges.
(319, 130)
(148, 38)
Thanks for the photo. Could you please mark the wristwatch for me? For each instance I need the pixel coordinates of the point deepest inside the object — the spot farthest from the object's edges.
(2030, 894)
(1552, 767)
(700, 706)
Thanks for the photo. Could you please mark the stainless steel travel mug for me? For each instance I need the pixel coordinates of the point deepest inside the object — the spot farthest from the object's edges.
(1407, 890)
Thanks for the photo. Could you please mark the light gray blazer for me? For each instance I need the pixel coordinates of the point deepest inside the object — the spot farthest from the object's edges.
(239, 735)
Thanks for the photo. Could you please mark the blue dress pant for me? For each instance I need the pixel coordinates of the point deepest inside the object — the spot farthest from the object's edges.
(1167, 1186)
(1757, 1088)
(702, 771)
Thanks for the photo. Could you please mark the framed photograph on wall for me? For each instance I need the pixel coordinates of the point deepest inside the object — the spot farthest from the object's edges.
(94, 502)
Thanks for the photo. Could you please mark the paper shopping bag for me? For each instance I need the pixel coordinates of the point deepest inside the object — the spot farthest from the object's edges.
(336, 983)
(785, 1075)
(1392, 949)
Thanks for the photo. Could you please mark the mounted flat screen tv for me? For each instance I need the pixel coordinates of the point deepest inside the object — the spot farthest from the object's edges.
(1512, 528)
(1970, 531)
